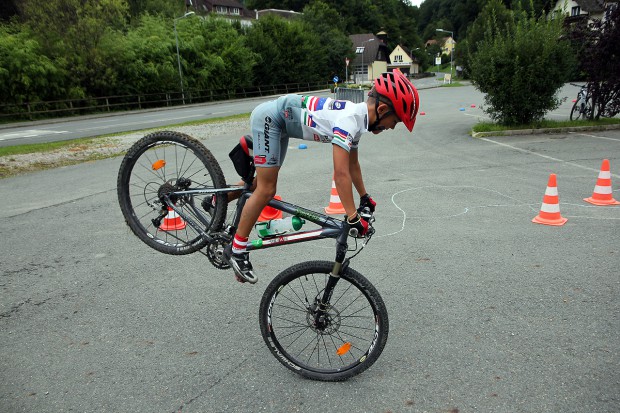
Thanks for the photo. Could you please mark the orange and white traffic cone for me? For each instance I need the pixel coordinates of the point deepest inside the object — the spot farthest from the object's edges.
(335, 205)
(268, 213)
(172, 222)
(550, 209)
(602, 190)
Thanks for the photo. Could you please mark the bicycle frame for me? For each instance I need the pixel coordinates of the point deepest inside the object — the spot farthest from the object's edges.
(330, 227)
(582, 97)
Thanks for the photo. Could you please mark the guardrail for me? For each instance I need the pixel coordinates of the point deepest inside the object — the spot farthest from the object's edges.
(73, 107)
(353, 95)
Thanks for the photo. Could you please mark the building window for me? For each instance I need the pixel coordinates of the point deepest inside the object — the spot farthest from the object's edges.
(575, 11)
(235, 11)
(398, 58)
(221, 9)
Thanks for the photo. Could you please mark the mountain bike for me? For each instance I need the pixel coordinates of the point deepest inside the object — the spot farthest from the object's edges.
(321, 319)
(582, 109)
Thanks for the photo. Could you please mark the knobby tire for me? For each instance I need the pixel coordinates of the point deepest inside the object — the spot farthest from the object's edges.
(140, 181)
(358, 322)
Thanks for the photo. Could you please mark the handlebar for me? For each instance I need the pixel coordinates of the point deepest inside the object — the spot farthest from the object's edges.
(370, 218)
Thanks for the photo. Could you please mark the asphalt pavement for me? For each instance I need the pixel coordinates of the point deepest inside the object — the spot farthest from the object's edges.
(489, 312)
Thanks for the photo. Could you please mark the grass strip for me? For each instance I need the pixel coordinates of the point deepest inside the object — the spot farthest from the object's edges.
(544, 124)
(75, 151)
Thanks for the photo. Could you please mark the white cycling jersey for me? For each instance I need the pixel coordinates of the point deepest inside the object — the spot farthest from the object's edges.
(327, 120)
(305, 117)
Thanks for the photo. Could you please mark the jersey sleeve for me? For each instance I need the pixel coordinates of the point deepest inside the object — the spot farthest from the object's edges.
(342, 135)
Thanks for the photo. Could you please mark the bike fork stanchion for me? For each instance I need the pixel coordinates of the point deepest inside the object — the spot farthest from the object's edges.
(334, 276)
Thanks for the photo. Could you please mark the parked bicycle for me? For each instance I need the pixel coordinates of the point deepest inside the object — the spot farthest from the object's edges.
(582, 108)
(321, 319)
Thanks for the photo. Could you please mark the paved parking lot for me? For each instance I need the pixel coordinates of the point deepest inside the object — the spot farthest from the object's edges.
(489, 312)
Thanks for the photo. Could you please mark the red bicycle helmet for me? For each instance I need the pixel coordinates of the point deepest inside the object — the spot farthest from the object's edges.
(401, 93)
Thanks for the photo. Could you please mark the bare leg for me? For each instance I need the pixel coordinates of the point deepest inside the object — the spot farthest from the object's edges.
(266, 182)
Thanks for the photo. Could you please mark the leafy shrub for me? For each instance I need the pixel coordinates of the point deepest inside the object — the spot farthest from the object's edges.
(520, 67)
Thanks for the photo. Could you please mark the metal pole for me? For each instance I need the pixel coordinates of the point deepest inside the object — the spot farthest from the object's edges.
(451, 48)
(176, 38)
(451, 53)
(363, 52)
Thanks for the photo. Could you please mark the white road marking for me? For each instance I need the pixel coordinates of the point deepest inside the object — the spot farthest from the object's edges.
(29, 134)
(597, 137)
(551, 158)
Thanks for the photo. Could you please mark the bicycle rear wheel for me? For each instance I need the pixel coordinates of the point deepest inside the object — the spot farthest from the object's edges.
(350, 339)
(577, 112)
(161, 163)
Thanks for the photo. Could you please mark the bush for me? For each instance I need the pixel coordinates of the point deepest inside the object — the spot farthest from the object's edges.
(520, 67)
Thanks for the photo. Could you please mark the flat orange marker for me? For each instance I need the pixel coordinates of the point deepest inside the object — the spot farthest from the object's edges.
(344, 349)
(158, 164)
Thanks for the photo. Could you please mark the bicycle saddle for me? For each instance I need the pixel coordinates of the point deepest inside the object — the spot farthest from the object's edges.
(243, 158)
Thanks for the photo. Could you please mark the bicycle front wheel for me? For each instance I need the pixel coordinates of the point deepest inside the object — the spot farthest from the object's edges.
(158, 165)
(347, 340)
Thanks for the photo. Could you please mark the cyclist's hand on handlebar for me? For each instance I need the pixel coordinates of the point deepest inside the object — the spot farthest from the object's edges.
(359, 225)
(367, 202)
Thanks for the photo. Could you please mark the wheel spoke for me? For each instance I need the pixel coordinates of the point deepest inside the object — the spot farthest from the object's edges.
(144, 179)
(338, 343)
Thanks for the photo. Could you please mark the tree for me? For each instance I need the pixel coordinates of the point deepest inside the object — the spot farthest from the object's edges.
(335, 45)
(287, 50)
(599, 59)
(26, 74)
(494, 16)
(215, 55)
(521, 69)
(145, 58)
(73, 32)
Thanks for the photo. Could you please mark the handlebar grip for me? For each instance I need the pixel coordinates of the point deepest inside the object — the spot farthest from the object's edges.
(368, 217)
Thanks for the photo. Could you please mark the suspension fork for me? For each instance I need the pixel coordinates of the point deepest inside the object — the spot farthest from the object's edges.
(334, 277)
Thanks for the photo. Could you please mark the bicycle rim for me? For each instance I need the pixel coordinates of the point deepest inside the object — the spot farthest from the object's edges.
(350, 341)
(164, 162)
(575, 113)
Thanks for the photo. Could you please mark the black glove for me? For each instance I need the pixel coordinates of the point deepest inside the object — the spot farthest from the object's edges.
(359, 224)
(367, 202)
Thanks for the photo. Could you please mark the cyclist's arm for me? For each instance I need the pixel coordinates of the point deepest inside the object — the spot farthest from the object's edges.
(342, 179)
(356, 172)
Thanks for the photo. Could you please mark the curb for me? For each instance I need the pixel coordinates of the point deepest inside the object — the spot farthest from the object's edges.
(545, 131)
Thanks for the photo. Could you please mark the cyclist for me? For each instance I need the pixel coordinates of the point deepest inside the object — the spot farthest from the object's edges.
(392, 99)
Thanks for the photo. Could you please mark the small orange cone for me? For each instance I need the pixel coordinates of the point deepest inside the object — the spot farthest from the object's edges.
(550, 209)
(268, 213)
(172, 221)
(602, 190)
(335, 205)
